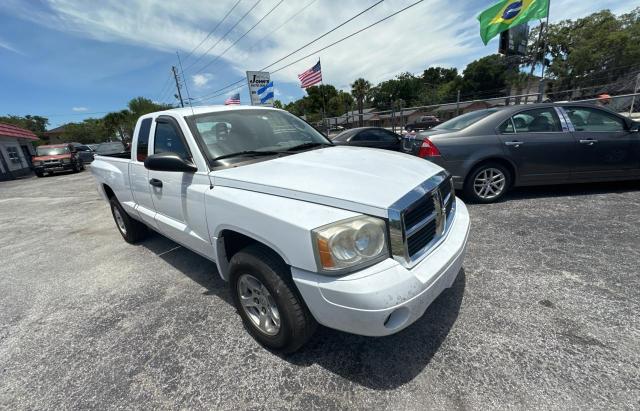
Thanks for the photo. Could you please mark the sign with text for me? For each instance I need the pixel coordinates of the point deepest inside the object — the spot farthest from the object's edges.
(260, 88)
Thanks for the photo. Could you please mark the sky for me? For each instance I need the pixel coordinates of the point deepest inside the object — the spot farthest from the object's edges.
(73, 59)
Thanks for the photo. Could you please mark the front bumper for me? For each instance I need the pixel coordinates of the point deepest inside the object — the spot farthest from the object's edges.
(387, 297)
(49, 168)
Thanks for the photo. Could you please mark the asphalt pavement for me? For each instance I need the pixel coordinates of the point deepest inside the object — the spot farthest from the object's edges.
(544, 315)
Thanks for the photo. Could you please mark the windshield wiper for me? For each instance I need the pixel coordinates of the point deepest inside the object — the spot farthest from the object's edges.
(247, 153)
(308, 145)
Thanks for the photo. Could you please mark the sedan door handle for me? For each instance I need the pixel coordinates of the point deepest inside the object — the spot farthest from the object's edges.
(514, 143)
(590, 141)
(155, 182)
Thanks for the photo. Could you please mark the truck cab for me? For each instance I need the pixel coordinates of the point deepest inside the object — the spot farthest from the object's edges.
(304, 231)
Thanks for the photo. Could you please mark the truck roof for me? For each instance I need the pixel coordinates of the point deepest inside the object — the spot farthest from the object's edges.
(188, 111)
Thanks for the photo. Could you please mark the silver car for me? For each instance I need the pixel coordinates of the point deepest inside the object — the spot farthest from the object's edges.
(489, 151)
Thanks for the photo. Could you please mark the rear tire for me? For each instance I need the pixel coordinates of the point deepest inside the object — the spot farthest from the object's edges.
(487, 183)
(261, 283)
(131, 230)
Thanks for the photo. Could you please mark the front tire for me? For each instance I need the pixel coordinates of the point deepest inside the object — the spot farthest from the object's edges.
(131, 230)
(487, 183)
(268, 302)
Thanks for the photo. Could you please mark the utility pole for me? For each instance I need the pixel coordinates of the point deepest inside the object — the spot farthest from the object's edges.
(175, 76)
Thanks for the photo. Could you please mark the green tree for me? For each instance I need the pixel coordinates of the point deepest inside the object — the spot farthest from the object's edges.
(360, 91)
(594, 50)
(277, 104)
(36, 124)
(486, 77)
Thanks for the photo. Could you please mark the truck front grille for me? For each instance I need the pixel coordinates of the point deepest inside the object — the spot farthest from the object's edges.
(421, 218)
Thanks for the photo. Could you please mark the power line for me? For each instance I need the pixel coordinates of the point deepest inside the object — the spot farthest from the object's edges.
(241, 37)
(212, 31)
(283, 24)
(304, 46)
(330, 45)
(225, 34)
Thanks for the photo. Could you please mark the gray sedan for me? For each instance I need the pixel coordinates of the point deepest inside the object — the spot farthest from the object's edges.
(489, 151)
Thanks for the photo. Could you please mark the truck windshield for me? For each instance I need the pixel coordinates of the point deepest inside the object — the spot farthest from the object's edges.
(249, 131)
(52, 151)
(465, 120)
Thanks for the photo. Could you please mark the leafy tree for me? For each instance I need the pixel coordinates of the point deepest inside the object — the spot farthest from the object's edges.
(486, 77)
(277, 104)
(36, 124)
(405, 87)
(594, 50)
(360, 90)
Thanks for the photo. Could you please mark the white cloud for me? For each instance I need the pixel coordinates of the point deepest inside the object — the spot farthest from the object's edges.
(5, 45)
(79, 109)
(432, 32)
(201, 80)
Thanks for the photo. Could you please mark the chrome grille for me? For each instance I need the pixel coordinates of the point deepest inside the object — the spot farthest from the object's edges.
(421, 218)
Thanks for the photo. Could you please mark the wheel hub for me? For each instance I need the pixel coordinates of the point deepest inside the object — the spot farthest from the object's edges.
(258, 304)
(489, 183)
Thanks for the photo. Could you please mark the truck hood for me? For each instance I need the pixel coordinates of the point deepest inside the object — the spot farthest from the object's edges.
(353, 178)
(56, 157)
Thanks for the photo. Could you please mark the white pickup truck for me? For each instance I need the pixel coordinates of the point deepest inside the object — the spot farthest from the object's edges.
(357, 239)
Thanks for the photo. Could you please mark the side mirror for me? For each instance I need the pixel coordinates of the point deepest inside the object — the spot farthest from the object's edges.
(169, 162)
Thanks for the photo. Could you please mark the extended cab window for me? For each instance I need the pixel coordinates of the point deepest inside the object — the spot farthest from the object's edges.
(168, 140)
(593, 119)
(143, 139)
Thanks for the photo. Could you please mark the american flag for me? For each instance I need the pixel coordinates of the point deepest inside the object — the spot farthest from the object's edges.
(233, 99)
(311, 76)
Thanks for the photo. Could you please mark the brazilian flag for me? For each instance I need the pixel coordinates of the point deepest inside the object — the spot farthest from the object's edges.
(509, 13)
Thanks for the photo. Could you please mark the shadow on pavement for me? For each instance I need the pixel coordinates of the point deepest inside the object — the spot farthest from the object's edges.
(568, 190)
(385, 363)
(379, 363)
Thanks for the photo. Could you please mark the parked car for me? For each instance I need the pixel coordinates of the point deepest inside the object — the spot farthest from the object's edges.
(489, 151)
(373, 137)
(114, 147)
(56, 157)
(305, 232)
(84, 152)
(423, 123)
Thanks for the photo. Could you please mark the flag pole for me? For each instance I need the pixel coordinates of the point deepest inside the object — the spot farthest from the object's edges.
(544, 49)
(324, 108)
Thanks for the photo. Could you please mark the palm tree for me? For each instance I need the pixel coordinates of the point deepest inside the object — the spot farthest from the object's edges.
(360, 90)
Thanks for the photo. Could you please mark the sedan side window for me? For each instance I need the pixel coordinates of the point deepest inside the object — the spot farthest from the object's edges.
(541, 120)
(593, 119)
(506, 127)
(167, 140)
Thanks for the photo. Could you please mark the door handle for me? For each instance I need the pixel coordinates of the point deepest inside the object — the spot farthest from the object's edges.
(514, 143)
(590, 141)
(155, 182)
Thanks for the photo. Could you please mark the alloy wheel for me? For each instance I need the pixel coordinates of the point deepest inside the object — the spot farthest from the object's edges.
(119, 221)
(258, 304)
(489, 183)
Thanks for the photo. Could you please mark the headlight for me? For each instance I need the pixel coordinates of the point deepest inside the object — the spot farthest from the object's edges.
(37, 163)
(349, 243)
(66, 160)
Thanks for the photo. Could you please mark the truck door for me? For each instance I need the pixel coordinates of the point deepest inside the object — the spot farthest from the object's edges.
(178, 197)
(139, 175)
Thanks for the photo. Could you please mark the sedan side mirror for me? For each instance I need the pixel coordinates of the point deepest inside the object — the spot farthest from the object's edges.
(169, 162)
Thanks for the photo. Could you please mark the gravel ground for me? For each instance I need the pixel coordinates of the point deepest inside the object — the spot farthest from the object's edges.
(544, 315)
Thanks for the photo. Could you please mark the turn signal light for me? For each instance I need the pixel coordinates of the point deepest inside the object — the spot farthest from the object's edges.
(428, 149)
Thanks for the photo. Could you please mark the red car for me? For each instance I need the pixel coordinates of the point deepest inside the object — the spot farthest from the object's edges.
(56, 157)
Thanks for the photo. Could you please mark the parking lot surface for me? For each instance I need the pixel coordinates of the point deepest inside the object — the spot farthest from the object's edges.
(543, 315)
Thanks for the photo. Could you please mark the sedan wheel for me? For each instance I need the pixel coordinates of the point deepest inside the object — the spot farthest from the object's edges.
(487, 183)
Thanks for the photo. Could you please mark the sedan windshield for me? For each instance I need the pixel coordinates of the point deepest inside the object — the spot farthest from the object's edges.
(52, 151)
(253, 132)
(465, 120)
